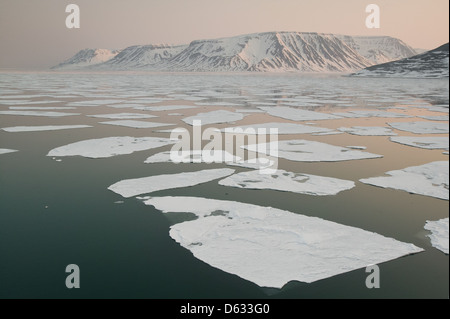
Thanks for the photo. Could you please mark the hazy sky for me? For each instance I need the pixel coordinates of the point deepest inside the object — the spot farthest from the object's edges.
(33, 33)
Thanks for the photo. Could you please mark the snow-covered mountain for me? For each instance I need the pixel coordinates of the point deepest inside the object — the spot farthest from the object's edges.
(86, 58)
(263, 52)
(431, 64)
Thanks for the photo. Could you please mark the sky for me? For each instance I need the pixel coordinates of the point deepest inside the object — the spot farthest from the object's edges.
(33, 34)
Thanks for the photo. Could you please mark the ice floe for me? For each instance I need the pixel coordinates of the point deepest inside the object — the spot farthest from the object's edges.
(110, 146)
(16, 129)
(311, 151)
(136, 124)
(196, 156)
(426, 142)
(288, 182)
(429, 180)
(283, 128)
(439, 234)
(368, 131)
(436, 118)
(37, 113)
(421, 127)
(371, 113)
(166, 108)
(6, 151)
(272, 247)
(133, 187)
(123, 116)
(297, 114)
(41, 108)
(214, 117)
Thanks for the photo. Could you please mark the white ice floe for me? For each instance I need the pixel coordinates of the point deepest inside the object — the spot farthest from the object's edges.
(436, 118)
(310, 151)
(297, 114)
(272, 247)
(328, 133)
(40, 108)
(136, 124)
(368, 131)
(94, 102)
(429, 180)
(214, 117)
(37, 113)
(133, 187)
(288, 182)
(16, 129)
(197, 156)
(126, 105)
(249, 111)
(421, 127)
(110, 146)
(371, 113)
(175, 114)
(123, 116)
(426, 142)
(166, 108)
(283, 128)
(6, 151)
(439, 234)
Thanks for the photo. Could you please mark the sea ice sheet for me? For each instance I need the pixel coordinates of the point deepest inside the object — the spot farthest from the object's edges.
(368, 131)
(199, 156)
(297, 114)
(133, 187)
(214, 117)
(371, 113)
(423, 127)
(16, 129)
(283, 128)
(439, 234)
(431, 143)
(288, 182)
(166, 108)
(37, 113)
(136, 124)
(124, 116)
(429, 180)
(110, 146)
(272, 247)
(6, 151)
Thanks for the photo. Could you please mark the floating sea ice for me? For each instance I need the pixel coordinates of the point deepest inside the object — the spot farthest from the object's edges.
(165, 108)
(288, 182)
(37, 113)
(6, 151)
(136, 124)
(272, 247)
(425, 142)
(439, 234)
(311, 151)
(357, 147)
(297, 114)
(133, 187)
(94, 102)
(16, 129)
(372, 113)
(421, 127)
(436, 118)
(126, 105)
(40, 108)
(214, 117)
(249, 111)
(328, 133)
(429, 180)
(110, 146)
(200, 156)
(124, 116)
(368, 131)
(283, 128)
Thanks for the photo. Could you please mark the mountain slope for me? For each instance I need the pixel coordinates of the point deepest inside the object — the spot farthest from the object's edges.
(86, 58)
(431, 64)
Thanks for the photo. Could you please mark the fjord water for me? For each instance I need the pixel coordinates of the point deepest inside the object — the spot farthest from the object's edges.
(53, 214)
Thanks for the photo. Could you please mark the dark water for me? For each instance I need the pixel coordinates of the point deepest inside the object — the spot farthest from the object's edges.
(57, 213)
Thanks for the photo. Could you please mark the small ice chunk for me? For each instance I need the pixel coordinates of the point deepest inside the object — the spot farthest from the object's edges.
(214, 117)
(136, 124)
(288, 182)
(310, 151)
(6, 151)
(283, 128)
(272, 247)
(37, 113)
(421, 127)
(133, 187)
(439, 234)
(431, 143)
(293, 114)
(368, 131)
(16, 129)
(110, 146)
(429, 180)
(123, 116)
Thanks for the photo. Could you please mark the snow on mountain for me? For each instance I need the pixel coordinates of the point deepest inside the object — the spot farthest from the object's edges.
(431, 64)
(86, 58)
(379, 49)
(263, 52)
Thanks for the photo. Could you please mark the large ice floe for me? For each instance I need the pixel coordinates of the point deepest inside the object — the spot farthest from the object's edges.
(439, 234)
(311, 151)
(423, 127)
(138, 186)
(165, 108)
(288, 182)
(368, 131)
(38, 113)
(193, 156)
(283, 128)
(371, 113)
(136, 124)
(214, 117)
(123, 116)
(110, 146)
(426, 142)
(17, 129)
(6, 151)
(293, 114)
(272, 247)
(429, 180)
